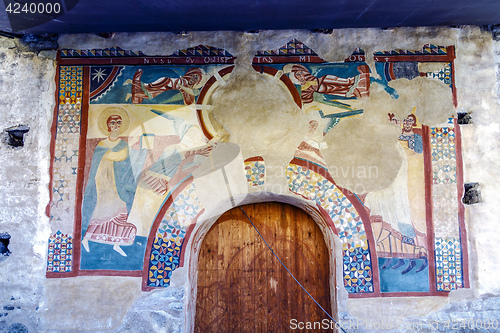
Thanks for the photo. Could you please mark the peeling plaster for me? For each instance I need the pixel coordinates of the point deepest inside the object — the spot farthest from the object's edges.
(257, 112)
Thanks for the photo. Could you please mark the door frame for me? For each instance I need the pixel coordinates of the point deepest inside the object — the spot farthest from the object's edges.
(202, 227)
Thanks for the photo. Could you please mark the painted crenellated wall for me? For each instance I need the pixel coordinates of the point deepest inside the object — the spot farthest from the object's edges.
(359, 128)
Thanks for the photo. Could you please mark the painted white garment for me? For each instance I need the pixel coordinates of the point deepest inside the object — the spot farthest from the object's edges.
(392, 203)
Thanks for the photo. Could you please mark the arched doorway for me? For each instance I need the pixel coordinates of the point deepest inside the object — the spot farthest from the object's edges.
(242, 287)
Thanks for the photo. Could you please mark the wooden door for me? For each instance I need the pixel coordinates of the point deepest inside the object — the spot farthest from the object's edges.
(242, 287)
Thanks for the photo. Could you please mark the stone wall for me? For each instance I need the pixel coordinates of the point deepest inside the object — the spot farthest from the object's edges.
(27, 86)
(31, 302)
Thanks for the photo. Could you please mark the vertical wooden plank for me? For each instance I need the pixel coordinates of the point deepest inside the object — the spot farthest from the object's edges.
(317, 276)
(245, 283)
(299, 219)
(323, 273)
(281, 248)
(257, 269)
(206, 315)
(242, 274)
(232, 267)
(285, 248)
(240, 280)
(292, 262)
(308, 250)
(260, 263)
(279, 245)
(248, 255)
(274, 314)
(235, 270)
(223, 260)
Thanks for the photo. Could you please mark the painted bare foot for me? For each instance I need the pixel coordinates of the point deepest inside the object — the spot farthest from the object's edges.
(118, 249)
(363, 88)
(137, 94)
(85, 243)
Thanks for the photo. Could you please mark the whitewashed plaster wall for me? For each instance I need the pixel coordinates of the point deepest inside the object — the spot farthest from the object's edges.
(30, 301)
(27, 88)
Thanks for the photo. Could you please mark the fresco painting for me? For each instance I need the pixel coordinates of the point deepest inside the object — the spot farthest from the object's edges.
(397, 214)
(129, 133)
(255, 170)
(147, 154)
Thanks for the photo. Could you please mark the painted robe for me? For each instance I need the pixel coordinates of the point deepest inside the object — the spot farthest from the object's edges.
(357, 86)
(185, 84)
(109, 195)
(160, 179)
(399, 210)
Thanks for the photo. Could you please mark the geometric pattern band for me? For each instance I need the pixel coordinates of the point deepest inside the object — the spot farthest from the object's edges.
(428, 49)
(167, 246)
(255, 172)
(444, 181)
(357, 266)
(60, 253)
(449, 275)
(445, 211)
(65, 163)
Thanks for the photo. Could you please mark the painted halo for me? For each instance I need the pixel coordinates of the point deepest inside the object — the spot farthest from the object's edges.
(106, 113)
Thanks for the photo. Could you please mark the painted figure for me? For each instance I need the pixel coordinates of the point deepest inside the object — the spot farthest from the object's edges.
(310, 148)
(413, 146)
(319, 125)
(398, 213)
(110, 189)
(159, 178)
(357, 86)
(184, 84)
(407, 134)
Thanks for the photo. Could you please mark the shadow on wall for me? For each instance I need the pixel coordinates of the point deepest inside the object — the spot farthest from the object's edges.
(472, 194)
(14, 328)
(14, 136)
(4, 243)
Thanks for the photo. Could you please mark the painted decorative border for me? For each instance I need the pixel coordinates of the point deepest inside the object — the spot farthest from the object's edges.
(346, 216)
(429, 53)
(255, 171)
(448, 263)
(69, 143)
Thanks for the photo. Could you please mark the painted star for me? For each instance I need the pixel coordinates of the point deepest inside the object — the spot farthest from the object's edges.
(99, 75)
